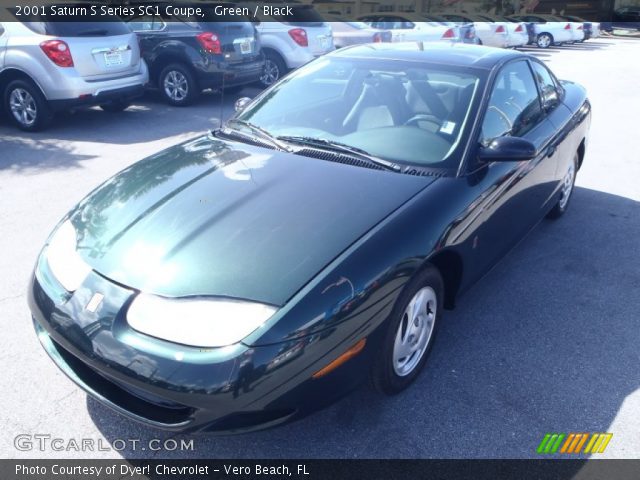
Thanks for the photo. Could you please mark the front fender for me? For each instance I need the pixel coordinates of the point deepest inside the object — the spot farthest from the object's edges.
(360, 287)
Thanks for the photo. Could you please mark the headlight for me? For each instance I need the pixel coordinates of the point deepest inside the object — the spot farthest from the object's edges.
(63, 259)
(197, 322)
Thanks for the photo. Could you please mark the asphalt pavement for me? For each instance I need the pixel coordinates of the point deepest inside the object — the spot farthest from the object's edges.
(548, 341)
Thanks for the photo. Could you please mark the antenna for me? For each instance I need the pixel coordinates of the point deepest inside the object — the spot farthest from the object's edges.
(221, 101)
(225, 29)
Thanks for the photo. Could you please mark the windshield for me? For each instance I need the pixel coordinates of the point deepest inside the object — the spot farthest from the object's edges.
(410, 113)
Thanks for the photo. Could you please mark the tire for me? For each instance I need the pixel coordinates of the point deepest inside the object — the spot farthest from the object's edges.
(274, 69)
(392, 372)
(26, 106)
(177, 85)
(568, 183)
(544, 40)
(115, 106)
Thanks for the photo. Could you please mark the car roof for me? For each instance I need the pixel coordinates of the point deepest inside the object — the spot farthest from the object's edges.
(455, 54)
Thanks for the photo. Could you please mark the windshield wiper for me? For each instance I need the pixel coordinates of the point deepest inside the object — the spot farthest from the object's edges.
(339, 147)
(260, 133)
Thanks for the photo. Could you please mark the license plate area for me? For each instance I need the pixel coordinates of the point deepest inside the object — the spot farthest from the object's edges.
(113, 59)
(245, 46)
(325, 42)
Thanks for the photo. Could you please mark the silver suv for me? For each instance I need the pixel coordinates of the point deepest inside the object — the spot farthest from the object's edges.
(50, 66)
(286, 44)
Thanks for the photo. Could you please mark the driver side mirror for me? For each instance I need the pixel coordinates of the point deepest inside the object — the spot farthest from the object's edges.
(508, 149)
(241, 103)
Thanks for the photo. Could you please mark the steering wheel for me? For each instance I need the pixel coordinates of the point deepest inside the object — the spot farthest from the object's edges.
(425, 117)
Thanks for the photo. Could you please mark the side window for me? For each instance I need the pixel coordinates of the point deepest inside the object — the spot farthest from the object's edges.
(1, 30)
(146, 23)
(547, 85)
(514, 107)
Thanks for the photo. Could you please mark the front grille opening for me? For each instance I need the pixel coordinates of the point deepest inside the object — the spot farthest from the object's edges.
(167, 413)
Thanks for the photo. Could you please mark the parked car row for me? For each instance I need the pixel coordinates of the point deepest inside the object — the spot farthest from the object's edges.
(490, 30)
(49, 66)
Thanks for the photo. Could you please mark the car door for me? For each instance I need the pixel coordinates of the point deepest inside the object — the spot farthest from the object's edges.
(558, 114)
(510, 195)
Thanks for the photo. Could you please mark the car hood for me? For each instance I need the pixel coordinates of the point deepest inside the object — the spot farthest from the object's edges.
(211, 217)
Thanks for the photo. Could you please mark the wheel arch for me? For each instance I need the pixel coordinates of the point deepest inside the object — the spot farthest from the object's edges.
(276, 52)
(581, 152)
(450, 265)
(12, 73)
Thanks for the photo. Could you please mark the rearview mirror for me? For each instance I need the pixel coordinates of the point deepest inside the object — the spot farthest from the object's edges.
(508, 149)
(241, 103)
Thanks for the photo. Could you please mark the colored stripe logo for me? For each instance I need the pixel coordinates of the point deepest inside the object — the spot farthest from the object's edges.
(574, 442)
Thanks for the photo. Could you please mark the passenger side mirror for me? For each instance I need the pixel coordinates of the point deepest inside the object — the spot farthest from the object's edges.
(241, 103)
(507, 149)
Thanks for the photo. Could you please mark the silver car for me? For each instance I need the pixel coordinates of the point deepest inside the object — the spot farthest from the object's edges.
(290, 44)
(353, 33)
(50, 66)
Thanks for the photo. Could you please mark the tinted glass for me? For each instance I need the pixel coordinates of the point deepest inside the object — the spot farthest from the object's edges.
(147, 23)
(514, 107)
(304, 15)
(407, 112)
(548, 89)
(76, 26)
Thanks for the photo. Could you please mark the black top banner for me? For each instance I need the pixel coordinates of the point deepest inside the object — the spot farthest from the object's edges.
(393, 12)
(320, 469)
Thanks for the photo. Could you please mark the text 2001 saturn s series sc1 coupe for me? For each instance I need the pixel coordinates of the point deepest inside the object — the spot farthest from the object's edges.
(250, 276)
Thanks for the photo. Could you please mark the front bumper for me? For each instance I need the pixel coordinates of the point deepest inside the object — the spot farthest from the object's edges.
(174, 387)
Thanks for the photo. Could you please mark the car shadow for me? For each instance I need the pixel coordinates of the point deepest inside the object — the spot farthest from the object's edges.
(546, 342)
(56, 147)
(159, 120)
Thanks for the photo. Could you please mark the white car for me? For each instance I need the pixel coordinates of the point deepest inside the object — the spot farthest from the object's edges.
(353, 33)
(549, 30)
(289, 45)
(491, 34)
(517, 35)
(409, 27)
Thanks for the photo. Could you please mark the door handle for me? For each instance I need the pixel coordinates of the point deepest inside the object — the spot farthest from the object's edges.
(551, 150)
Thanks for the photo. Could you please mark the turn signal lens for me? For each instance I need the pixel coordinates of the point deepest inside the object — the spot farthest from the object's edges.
(519, 28)
(349, 354)
(299, 35)
(500, 29)
(58, 52)
(210, 42)
(567, 26)
(449, 34)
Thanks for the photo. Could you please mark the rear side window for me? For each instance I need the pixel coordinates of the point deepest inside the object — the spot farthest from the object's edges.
(514, 107)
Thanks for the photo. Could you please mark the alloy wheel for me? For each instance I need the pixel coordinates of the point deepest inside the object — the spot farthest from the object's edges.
(271, 73)
(414, 331)
(23, 107)
(567, 186)
(544, 41)
(176, 86)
